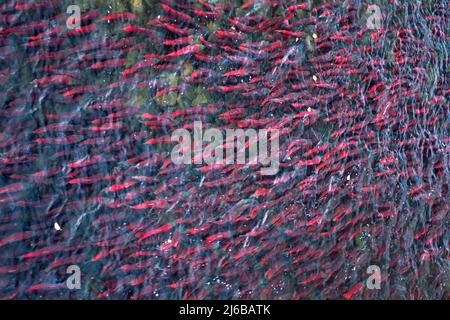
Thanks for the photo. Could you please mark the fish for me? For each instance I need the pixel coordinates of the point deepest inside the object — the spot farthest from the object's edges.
(129, 16)
(87, 115)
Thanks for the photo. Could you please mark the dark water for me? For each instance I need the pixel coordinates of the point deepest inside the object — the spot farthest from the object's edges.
(86, 178)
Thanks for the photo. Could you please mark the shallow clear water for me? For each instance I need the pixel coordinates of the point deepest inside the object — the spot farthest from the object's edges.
(86, 176)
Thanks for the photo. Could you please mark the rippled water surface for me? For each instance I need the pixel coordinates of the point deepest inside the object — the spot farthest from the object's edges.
(359, 94)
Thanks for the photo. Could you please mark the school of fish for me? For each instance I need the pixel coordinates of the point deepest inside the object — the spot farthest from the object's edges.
(86, 176)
